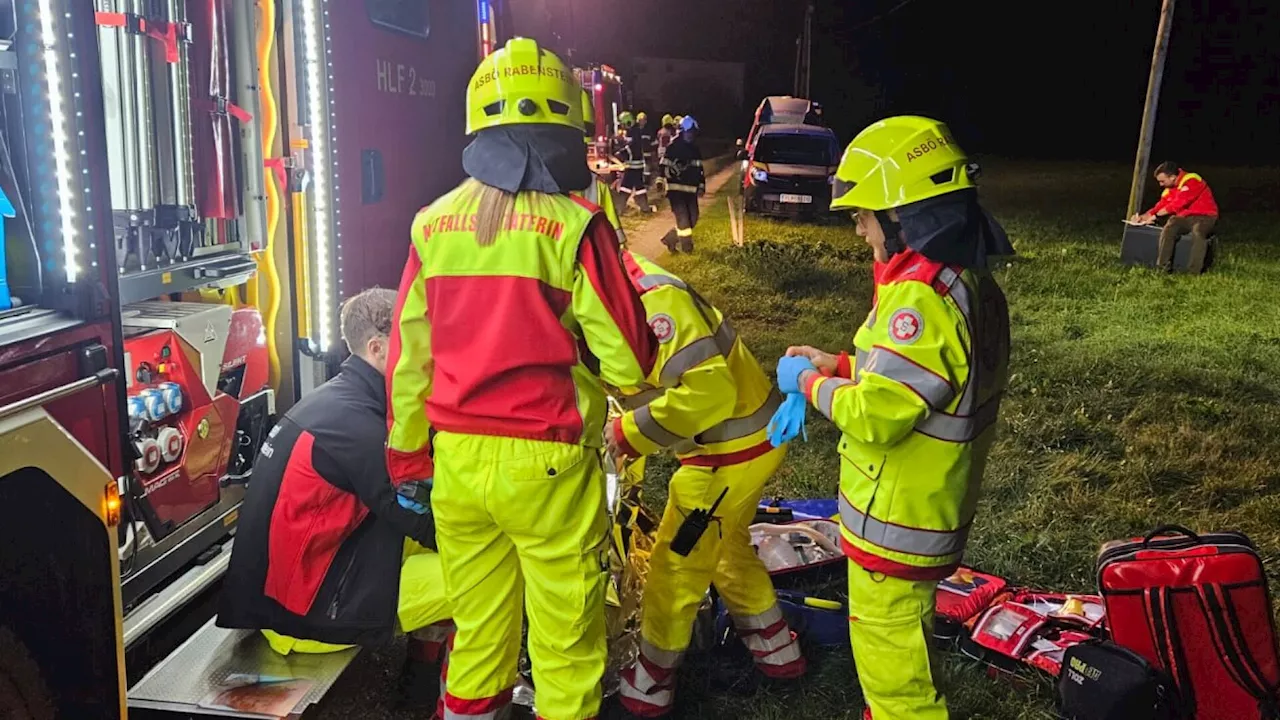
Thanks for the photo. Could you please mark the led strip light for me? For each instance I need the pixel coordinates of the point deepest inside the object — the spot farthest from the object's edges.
(321, 126)
(59, 134)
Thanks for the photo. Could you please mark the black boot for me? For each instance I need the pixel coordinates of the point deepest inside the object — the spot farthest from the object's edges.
(418, 686)
(670, 240)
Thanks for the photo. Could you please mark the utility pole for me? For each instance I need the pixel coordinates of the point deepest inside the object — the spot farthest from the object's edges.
(808, 49)
(1143, 160)
(795, 83)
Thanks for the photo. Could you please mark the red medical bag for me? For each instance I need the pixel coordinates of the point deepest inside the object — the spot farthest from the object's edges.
(960, 599)
(1197, 606)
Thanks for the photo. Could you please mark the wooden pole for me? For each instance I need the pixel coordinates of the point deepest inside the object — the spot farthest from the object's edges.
(808, 50)
(1143, 160)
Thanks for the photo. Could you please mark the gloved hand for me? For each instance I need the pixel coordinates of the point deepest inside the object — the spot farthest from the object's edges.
(788, 421)
(789, 370)
(415, 496)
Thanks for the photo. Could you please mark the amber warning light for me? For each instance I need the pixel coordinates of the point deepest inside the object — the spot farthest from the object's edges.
(111, 503)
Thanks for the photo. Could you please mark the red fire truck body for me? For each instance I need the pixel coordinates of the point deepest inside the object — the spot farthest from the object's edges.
(196, 185)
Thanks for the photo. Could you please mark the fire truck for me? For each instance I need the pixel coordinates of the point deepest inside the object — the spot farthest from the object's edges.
(604, 87)
(188, 190)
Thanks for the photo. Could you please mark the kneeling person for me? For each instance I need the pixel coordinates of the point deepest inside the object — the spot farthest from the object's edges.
(327, 555)
(707, 399)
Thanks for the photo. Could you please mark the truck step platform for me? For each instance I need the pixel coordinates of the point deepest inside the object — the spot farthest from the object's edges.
(234, 673)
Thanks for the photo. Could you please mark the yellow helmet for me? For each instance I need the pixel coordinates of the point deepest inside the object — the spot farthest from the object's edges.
(523, 84)
(677, 119)
(898, 161)
(626, 119)
(668, 119)
(641, 117)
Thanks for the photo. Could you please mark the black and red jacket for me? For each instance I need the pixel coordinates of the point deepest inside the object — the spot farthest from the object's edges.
(321, 536)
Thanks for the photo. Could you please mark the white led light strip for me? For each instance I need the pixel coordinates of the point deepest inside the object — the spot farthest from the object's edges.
(321, 165)
(59, 134)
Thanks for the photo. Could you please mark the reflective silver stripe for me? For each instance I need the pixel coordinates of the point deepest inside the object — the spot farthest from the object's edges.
(763, 621)
(682, 188)
(735, 428)
(784, 655)
(651, 429)
(693, 163)
(757, 643)
(913, 541)
(969, 420)
(639, 684)
(827, 393)
(592, 193)
(659, 698)
(859, 360)
(634, 164)
(687, 358)
(642, 398)
(726, 336)
(871, 317)
(648, 282)
(667, 659)
(960, 428)
(930, 386)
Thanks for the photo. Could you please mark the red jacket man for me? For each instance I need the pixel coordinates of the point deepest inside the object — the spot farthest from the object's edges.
(1188, 199)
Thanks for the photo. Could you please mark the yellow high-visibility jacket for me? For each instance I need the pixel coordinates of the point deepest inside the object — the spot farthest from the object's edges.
(510, 339)
(598, 193)
(707, 397)
(918, 411)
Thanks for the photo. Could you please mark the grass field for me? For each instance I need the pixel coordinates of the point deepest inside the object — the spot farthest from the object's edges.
(1136, 398)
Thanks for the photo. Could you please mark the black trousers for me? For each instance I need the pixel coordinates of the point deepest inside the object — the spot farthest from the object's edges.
(684, 205)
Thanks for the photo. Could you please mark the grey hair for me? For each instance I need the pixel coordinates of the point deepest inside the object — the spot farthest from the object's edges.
(367, 315)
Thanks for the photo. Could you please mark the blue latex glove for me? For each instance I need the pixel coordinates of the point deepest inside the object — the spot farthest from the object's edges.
(788, 420)
(415, 496)
(789, 369)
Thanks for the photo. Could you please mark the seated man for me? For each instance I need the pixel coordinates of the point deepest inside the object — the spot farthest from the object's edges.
(1188, 199)
(326, 554)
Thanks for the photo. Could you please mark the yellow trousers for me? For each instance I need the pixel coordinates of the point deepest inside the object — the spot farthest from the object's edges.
(891, 628)
(422, 602)
(725, 557)
(522, 530)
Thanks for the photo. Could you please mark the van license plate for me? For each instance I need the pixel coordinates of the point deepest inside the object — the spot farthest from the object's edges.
(801, 199)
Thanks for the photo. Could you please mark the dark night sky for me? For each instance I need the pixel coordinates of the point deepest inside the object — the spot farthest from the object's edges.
(1012, 77)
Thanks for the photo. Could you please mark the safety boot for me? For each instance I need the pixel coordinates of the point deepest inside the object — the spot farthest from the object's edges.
(686, 244)
(670, 240)
(418, 685)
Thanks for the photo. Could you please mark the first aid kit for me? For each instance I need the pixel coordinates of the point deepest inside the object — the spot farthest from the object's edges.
(1035, 629)
(961, 598)
(1197, 606)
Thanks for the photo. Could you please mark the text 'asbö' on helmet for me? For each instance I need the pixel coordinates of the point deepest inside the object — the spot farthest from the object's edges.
(898, 161)
(523, 84)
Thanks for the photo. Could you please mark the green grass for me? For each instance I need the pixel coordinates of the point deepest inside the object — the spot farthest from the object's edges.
(1135, 399)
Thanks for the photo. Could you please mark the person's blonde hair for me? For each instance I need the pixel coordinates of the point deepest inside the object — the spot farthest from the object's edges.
(495, 208)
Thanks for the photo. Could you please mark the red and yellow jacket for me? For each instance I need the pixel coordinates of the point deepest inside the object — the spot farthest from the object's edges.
(917, 409)
(707, 397)
(1189, 196)
(510, 339)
